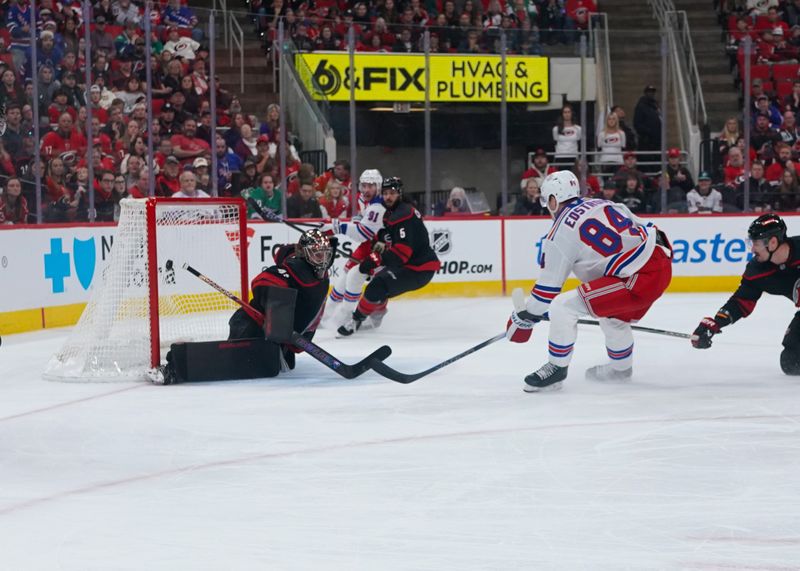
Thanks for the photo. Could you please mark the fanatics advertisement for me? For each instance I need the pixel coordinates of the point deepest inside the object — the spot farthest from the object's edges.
(401, 77)
(45, 268)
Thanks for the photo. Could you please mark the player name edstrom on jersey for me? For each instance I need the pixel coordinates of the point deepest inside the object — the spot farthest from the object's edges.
(591, 238)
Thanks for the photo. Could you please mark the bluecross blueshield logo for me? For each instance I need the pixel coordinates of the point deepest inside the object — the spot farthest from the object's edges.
(57, 265)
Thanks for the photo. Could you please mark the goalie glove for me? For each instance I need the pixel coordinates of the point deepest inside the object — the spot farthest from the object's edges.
(370, 263)
(520, 325)
(710, 326)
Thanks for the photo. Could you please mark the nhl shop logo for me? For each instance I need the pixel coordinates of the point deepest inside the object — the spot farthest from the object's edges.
(441, 242)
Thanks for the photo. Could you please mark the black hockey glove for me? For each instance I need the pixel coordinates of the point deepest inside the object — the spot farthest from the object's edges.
(701, 338)
(370, 263)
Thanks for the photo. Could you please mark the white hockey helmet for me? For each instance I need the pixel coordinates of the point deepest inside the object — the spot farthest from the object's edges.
(563, 185)
(370, 176)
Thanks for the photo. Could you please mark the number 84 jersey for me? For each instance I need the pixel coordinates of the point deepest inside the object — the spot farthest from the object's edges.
(591, 238)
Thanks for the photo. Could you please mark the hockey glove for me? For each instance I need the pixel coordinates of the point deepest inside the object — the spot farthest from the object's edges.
(330, 227)
(379, 247)
(518, 330)
(701, 338)
(520, 324)
(370, 263)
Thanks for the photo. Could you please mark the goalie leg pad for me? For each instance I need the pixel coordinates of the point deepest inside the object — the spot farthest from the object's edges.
(223, 360)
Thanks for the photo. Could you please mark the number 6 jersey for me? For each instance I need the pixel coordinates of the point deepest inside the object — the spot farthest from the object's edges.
(591, 238)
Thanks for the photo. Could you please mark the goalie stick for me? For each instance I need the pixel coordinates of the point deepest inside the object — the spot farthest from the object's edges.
(270, 216)
(317, 352)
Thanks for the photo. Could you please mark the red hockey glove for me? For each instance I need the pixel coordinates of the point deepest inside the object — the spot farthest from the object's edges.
(518, 330)
(701, 338)
(370, 263)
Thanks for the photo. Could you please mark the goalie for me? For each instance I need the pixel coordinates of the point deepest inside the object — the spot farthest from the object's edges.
(290, 295)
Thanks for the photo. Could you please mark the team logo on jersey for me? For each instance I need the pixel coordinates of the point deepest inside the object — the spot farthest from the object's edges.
(441, 242)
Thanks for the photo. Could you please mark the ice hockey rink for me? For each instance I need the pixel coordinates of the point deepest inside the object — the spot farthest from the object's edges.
(693, 465)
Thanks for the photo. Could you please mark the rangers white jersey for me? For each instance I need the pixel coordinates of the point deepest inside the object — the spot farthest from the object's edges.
(366, 228)
(591, 238)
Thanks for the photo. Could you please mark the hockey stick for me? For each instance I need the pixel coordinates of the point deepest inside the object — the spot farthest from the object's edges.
(270, 216)
(518, 298)
(317, 352)
(398, 377)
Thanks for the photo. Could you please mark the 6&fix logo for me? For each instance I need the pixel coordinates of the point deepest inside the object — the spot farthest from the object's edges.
(441, 242)
(57, 264)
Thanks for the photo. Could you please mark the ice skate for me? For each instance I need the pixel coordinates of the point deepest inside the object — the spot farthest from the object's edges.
(351, 326)
(373, 321)
(548, 378)
(607, 373)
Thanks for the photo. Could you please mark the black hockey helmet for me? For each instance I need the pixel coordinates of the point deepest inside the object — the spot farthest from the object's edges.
(766, 226)
(392, 183)
(315, 248)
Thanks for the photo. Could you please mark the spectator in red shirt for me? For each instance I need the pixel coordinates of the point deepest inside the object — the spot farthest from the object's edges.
(13, 206)
(539, 170)
(167, 182)
(333, 203)
(734, 170)
(578, 12)
(187, 146)
(63, 139)
(340, 171)
(782, 162)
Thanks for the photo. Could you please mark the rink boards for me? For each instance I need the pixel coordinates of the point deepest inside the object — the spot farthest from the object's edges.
(46, 273)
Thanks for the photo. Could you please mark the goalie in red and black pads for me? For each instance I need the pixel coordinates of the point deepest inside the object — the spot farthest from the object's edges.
(403, 255)
(301, 267)
(774, 269)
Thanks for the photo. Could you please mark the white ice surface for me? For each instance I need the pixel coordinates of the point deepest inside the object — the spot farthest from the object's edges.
(693, 465)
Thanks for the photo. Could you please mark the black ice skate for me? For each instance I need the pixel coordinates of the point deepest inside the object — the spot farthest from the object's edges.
(607, 373)
(547, 378)
(353, 325)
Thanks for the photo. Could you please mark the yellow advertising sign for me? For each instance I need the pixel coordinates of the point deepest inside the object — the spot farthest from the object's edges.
(401, 77)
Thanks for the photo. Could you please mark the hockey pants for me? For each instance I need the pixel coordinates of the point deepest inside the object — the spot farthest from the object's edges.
(565, 311)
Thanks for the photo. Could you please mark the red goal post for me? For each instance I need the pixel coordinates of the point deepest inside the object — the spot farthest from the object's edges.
(143, 300)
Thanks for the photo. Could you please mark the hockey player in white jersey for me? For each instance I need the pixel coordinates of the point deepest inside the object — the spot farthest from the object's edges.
(623, 264)
(346, 289)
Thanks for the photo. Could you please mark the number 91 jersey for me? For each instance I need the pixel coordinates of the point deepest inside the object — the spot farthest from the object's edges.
(592, 238)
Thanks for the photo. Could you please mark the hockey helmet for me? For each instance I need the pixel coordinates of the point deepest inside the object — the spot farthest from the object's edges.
(766, 226)
(315, 248)
(392, 183)
(563, 185)
(370, 176)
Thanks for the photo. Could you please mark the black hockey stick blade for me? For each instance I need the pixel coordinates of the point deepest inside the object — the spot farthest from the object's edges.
(393, 375)
(343, 369)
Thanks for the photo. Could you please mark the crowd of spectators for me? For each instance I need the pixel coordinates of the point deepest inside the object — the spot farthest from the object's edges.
(773, 27)
(246, 146)
(456, 26)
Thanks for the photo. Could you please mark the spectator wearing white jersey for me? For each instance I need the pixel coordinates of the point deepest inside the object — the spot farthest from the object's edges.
(611, 141)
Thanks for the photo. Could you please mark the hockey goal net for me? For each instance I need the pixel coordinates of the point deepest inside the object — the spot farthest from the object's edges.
(144, 300)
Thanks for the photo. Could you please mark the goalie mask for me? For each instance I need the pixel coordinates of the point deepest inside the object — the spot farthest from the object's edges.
(369, 184)
(315, 248)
